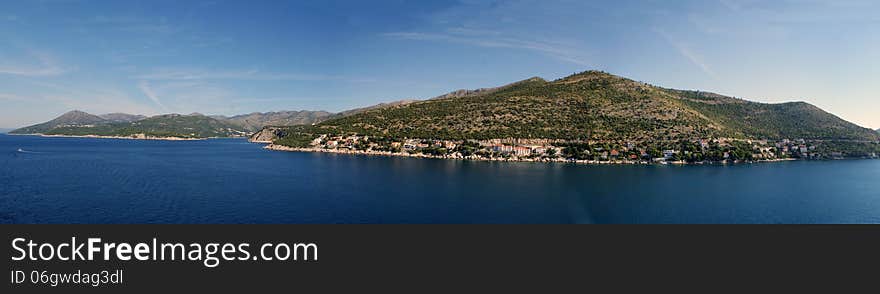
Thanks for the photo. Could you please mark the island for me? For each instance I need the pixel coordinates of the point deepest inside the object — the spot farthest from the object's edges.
(193, 126)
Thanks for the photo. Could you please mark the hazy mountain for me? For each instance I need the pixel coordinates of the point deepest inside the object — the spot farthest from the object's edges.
(121, 117)
(77, 123)
(194, 124)
(72, 118)
(255, 121)
(597, 106)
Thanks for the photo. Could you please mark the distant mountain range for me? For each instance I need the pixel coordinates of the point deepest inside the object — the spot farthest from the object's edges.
(255, 121)
(121, 117)
(78, 123)
(195, 125)
(591, 105)
(73, 118)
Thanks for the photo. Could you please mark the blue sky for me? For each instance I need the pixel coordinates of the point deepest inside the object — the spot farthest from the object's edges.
(220, 57)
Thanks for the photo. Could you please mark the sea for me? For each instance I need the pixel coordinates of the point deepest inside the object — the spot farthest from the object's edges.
(116, 181)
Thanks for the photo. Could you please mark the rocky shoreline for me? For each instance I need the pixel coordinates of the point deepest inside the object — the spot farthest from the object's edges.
(276, 147)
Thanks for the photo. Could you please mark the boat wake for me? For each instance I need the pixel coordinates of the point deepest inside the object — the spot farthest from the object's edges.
(25, 151)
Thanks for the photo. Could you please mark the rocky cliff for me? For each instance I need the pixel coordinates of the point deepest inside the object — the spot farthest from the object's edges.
(267, 135)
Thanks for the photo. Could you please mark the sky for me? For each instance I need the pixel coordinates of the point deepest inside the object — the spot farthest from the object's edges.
(234, 57)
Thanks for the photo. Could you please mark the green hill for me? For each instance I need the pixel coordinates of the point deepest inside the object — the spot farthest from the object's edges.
(169, 125)
(596, 106)
(74, 118)
(775, 121)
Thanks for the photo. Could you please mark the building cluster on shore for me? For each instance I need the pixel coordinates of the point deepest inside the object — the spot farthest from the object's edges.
(686, 151)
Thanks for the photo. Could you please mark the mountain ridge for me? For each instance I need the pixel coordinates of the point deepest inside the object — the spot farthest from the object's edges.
(375, 106)
(78, 122)
(481, 91)
(590, 105)
(121, 117)
(70, 118)
(158, 126)
(595, 105)
(257, 120)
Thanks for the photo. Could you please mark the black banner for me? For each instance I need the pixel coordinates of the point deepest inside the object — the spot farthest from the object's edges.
(418, 258)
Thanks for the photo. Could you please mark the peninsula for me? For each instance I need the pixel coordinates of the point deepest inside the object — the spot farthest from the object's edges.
(167, 126)
(591, 117)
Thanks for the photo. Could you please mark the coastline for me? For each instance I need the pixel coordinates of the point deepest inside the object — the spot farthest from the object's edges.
(274, 147)
(134, 137)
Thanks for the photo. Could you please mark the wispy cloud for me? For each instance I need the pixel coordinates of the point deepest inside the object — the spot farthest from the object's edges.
(63, 97)
(186, 90)
(148, 91)
(41, 64)
(250, 74)
(11, 97)
(685, 50)
(801, 12)
(492, 39)
(128, 23)
(731, 4)
(188, 96)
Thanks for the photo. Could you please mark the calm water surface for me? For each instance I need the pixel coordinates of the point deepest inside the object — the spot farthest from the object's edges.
(80, 180)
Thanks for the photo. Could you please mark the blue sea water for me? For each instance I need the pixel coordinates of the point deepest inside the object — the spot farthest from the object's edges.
(83, 180)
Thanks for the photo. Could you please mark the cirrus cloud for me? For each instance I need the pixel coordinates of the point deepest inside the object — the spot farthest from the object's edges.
(41, 64)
